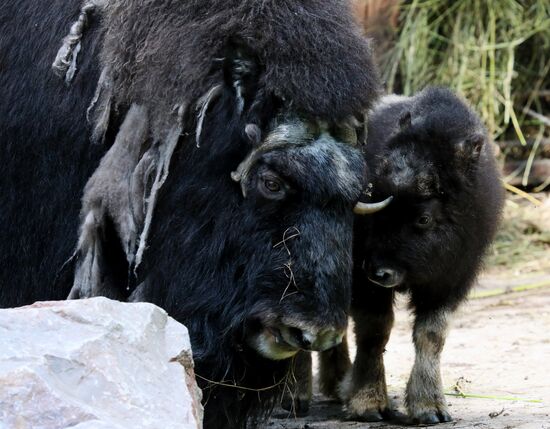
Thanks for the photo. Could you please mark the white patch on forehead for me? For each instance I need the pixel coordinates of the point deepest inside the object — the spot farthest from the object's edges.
(283, 132)
(344, 175)
(326, 151)
(291, 132)
(318, 151)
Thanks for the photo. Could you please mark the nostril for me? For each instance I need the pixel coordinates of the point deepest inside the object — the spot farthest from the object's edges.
(307, 340)
(386, 277)
(302, 338)
(384, 274)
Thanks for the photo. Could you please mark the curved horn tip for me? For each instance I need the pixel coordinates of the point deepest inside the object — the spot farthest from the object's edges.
(370, 208)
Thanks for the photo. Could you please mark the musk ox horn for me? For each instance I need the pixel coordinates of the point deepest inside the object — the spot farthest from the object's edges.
(369, 208)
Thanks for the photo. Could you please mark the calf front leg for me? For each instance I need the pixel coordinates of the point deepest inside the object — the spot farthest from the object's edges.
(364, 388)
(424, 396)
(333, 366)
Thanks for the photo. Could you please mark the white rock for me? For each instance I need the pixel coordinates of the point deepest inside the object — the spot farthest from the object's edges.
(95, 364)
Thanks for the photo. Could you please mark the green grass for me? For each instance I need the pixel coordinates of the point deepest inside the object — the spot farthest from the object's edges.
(496, 53)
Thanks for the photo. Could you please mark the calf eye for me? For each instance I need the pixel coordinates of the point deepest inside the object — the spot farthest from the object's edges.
(423, 220)
(272, 185)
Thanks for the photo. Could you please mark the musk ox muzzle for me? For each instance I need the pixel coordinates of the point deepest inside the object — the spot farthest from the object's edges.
(301, 167)
(284, 341)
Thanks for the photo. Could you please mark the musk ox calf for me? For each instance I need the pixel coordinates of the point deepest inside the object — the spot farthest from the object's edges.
(199, 155)
(430, 153)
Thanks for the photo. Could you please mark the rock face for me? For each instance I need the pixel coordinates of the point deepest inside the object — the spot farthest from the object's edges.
(95, 363)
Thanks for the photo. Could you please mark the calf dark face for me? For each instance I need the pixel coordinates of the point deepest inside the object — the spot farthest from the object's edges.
(430, 154)
(426, 169)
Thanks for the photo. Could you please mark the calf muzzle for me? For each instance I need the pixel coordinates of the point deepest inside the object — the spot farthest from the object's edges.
(386, 277)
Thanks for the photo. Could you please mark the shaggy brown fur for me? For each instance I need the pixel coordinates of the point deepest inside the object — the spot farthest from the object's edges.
(66, 60)
(161, 52)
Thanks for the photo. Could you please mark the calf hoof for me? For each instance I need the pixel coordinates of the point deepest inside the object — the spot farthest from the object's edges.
(297, 406)
(431, 417)
(377, 415)
(366, 407)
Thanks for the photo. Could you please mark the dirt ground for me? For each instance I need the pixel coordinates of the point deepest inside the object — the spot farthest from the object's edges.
(498, 346)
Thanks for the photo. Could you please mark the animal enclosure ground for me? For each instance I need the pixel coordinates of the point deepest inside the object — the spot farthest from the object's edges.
(498, 346)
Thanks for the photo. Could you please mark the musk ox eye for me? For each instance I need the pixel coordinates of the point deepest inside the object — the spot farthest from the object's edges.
(272, 185)
(424, 220)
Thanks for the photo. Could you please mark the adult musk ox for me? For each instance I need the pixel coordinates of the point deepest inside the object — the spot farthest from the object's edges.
(219, 181)
(430, 153)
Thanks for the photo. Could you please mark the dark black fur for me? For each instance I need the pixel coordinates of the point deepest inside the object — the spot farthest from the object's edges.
(212, 260)
(430, 152)
(446, 145)
(45, 153)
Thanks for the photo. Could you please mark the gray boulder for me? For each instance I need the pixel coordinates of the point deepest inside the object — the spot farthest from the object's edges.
(96, 363)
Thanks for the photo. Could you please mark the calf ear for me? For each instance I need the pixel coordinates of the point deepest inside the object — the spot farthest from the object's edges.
(405, 120)
(469, 149)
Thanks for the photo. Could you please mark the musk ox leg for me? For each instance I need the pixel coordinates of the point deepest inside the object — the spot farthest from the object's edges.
(297, 395)
(333, 366)
(424, 397)
(364, 388)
